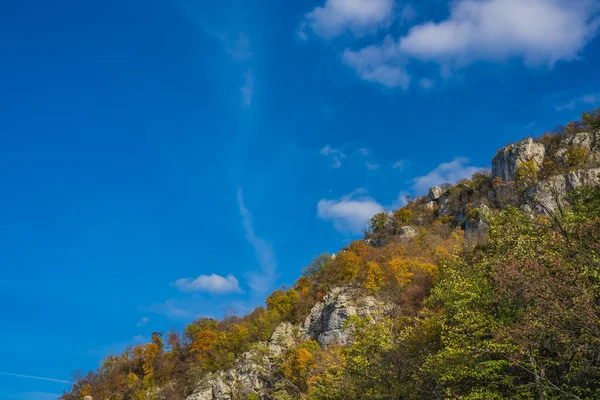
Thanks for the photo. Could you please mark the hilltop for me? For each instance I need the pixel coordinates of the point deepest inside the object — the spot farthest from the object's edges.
(485, 289)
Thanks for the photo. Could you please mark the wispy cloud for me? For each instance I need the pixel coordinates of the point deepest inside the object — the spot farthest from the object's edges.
(238, 49)
(39, 378)
(170, 310)
(336, 17)
(371, 166)
(209, 283)
(351, 213)
(399, 165)
(450, 172)
(589, 99)
(247, 89)
(336, 155)
(262, 280)
(143, 322)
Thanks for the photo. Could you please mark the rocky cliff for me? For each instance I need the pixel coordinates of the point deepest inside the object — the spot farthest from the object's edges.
(255, 371)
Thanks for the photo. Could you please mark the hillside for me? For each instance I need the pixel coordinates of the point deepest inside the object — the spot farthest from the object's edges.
(486, 289)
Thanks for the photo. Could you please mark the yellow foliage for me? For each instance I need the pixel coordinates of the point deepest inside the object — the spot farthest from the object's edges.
(403, 216)
(203, 342)
(85, 391)
(373, 277)
(132, 380)
(150, 351)
(403, 270)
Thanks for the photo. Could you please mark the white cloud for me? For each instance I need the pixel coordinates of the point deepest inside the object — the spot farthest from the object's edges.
(336, 17)
(209, 283)
(381, 64)
(589, 99)
(399, 165)
(363, 151)
(247, 89)
(372, 167)
(450, 172)
(401, 200)
(539, 32)
(335, 155)
(351, 213)
(143, 322)
(262, 280)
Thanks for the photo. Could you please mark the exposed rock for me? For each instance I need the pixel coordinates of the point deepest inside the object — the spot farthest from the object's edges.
(326, 319)
(88, 398)
(407, 232)
(584, 177)
(432, 205)
(251, 373)
(547, 195)
(282, 339)
(435, 193)
(508, 159)
(211, 388)
(475, 229)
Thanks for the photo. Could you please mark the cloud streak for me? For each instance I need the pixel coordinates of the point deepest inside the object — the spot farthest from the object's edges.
(589, 99)
(262, 280)
(247, 89)
(39, 378)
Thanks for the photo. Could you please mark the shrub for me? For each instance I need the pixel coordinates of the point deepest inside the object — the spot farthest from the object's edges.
(577, 157)
(403, 216)
(591, 119)
(526, 174)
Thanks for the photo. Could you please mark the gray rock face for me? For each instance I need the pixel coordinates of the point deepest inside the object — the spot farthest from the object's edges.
(407, 232)
(547, 195)
(251, 374)
(253, 371)
(508, 159)
(432, 205)
(435, 193)
(282, 339)
(325, 323)
(584, 177)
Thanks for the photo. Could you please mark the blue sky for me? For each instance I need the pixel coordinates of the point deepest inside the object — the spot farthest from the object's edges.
(163, 160)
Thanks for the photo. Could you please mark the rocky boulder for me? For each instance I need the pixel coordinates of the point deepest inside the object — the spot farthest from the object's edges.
(407, 232)
(325, 323)
(251, 374)
(435, 193)
(282, 339)
(508, 159)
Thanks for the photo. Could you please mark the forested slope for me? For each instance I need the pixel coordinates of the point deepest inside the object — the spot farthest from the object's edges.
(488, 289)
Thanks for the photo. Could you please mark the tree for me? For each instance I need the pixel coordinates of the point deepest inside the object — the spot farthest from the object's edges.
(591, 119)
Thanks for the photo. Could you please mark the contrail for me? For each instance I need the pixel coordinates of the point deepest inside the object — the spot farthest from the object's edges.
(39, 378)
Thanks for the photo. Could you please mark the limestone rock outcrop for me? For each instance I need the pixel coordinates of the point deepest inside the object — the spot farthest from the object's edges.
(254, 371)
(435, 193)
(509, 158)
(325, 323)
